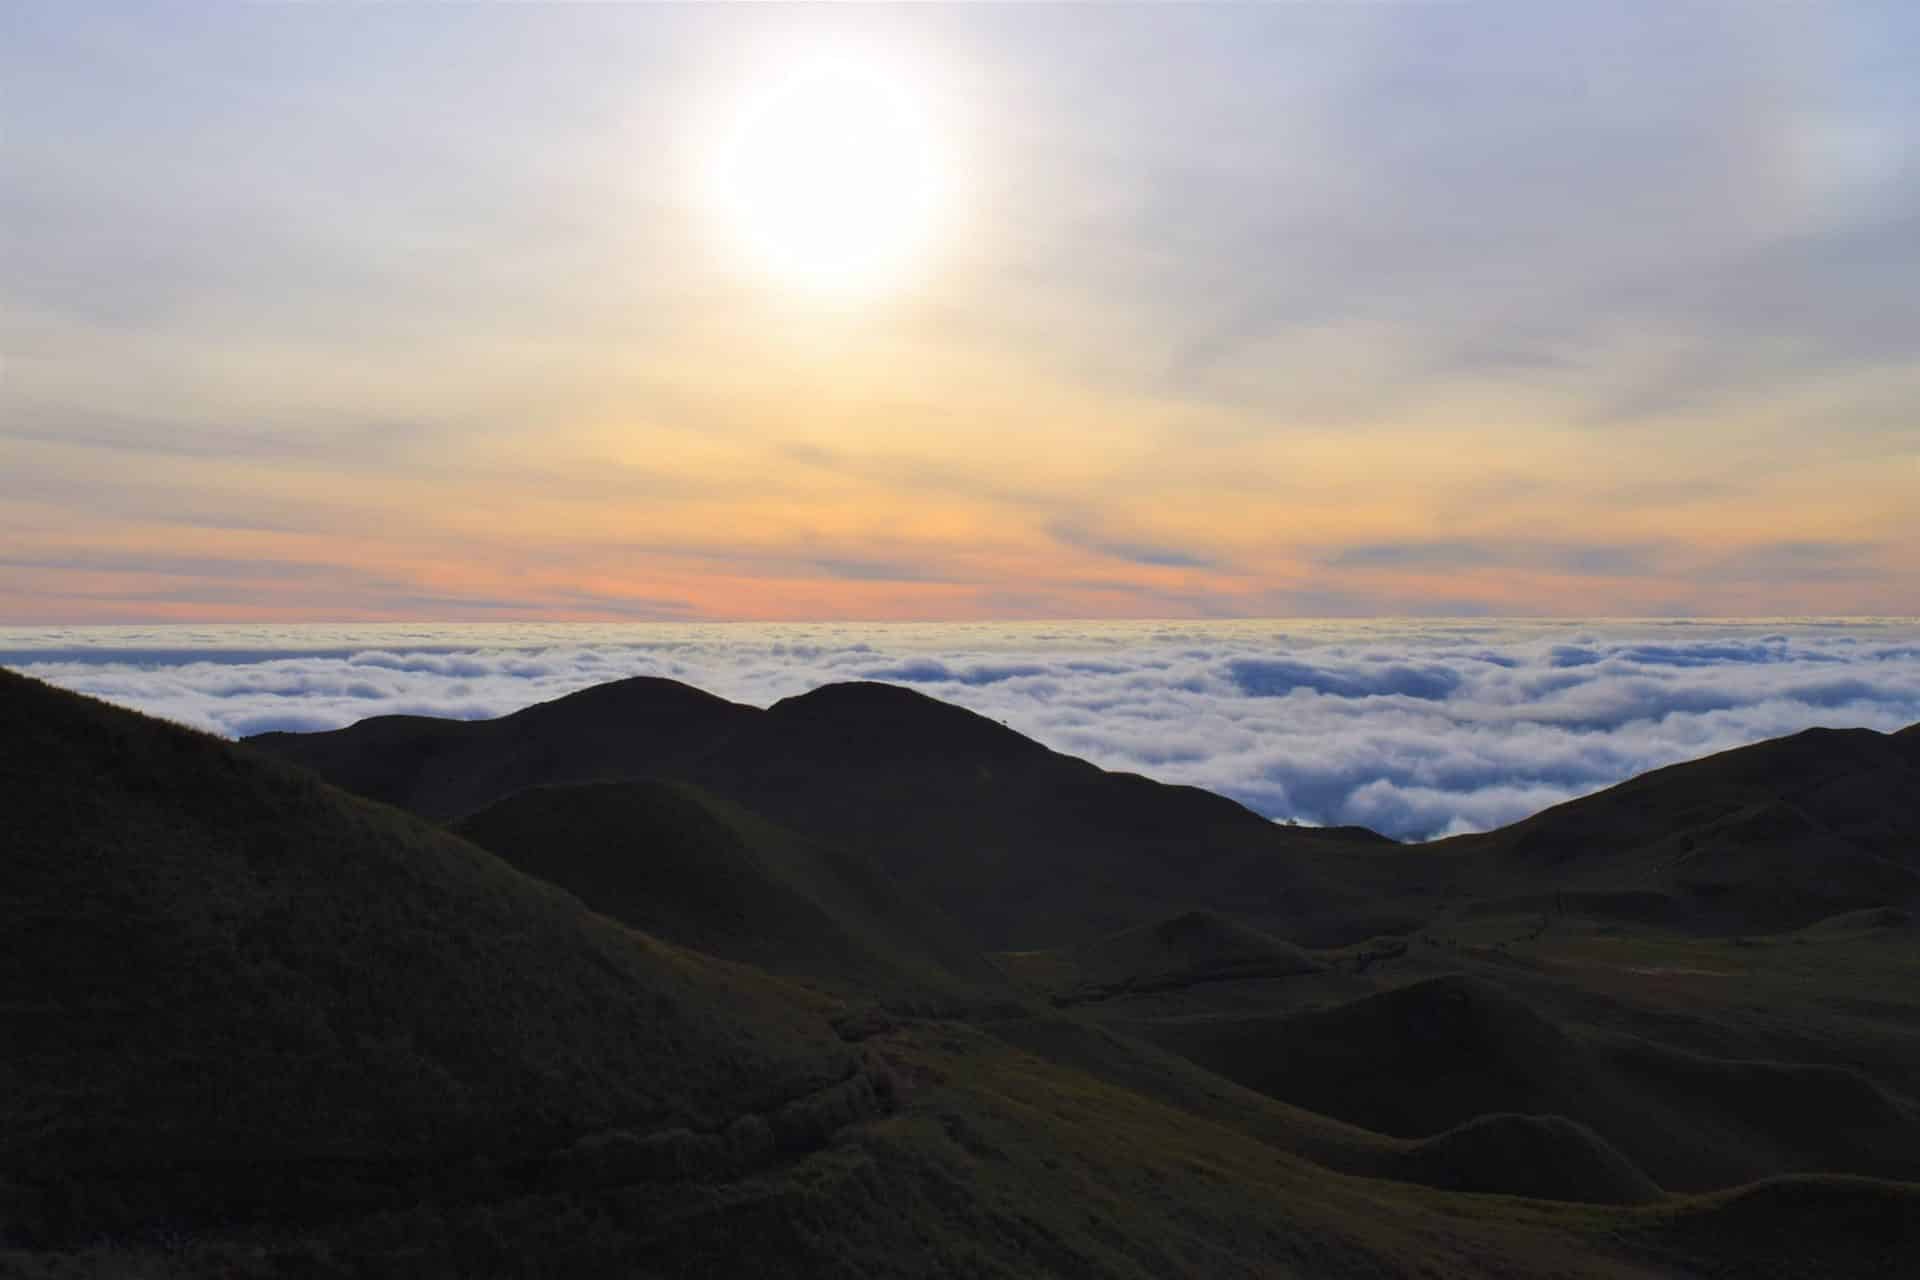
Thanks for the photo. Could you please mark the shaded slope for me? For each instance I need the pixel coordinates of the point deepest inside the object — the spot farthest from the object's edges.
(1766, 837)
(1540, 1157)
(997, 1164)
(1543, 1157)
(684, 865)
(1030, 848)
(210, 960)
(1199, 946)
(442, 769)
(1417, 1060)
(1788, 1229)
(1022, 844)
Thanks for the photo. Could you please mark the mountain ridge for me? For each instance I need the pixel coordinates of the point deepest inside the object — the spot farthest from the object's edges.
(1035, 848)
(258, 1026)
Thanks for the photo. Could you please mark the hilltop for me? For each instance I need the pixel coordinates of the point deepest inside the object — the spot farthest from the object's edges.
(1025, 846)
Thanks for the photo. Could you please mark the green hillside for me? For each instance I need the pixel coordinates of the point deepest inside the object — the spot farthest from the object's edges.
(684, 865)
(1416, 1060)
(212, 961)
(254, 1026)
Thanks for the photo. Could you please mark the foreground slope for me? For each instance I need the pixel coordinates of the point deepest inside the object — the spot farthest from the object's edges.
(211, 960)
(255, 1027)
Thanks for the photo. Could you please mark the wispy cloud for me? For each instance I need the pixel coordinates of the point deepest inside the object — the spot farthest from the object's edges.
(1483, 308)
(1133, 551)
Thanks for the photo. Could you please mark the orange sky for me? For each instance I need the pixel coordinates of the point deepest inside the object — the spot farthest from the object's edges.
(423, 315)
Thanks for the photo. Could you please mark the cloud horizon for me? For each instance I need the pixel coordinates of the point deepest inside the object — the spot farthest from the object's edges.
(1415, 729)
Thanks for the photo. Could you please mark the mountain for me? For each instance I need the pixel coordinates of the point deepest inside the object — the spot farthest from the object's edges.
(221, 979)
(1023, 845)
(235, 999)
(252, 1025)
(687, 866)
(442, 769)
(1030, 848)
(1761, 838)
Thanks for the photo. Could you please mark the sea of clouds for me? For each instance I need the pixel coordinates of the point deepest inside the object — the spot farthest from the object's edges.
(1415, 728)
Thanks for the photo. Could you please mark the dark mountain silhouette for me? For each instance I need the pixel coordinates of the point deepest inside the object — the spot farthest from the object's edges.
(691, 988)
(211, 962)
(1771, 836)
(1023, 845)
(1028, 847)
(684, 865)
(441, 769)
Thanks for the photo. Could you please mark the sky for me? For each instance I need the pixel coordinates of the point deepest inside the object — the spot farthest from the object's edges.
(1416, 728)
(364, 312)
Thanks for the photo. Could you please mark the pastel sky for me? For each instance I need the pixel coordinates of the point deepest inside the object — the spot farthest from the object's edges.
(415, 311)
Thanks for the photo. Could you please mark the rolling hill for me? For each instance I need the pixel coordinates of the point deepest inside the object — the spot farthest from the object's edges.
(684, 865)
(444, 769)
(220, 978)
(1758, 839)
(1024, 846)
(1417, 1060)
(688, 988)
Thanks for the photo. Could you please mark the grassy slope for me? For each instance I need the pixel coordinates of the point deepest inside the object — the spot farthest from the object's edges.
(1026, 846)
(684, 865)
(1422, 1058)
(1196, 947)
(355, 983)
(1001, 1164)
(1508, 1154)
(207, 956)
(997, 1163)
(1767, 837)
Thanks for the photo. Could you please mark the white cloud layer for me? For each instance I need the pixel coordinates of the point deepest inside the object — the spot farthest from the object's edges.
(1416, 729)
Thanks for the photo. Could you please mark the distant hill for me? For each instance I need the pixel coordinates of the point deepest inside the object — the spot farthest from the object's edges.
(1761, 838)
(1029, 848)
(1022, 845)
(687, 866)
(633, 728)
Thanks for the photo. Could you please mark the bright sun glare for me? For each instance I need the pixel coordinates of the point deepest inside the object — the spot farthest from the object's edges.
(831, 176)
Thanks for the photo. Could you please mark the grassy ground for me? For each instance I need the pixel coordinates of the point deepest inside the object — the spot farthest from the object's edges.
(257, 1027)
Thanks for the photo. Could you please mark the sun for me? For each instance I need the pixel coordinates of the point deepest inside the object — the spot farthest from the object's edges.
(830, 176)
